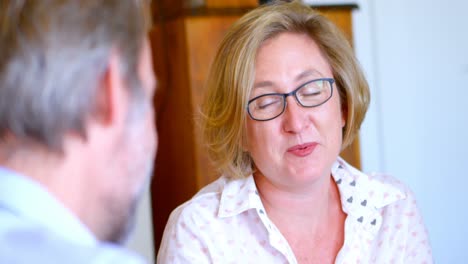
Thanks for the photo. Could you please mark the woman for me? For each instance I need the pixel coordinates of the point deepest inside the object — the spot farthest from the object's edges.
(284, 97)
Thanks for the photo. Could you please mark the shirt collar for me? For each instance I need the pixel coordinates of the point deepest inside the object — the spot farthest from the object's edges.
(352, 181)
(239, 195)
(28, 199)
(361, 195)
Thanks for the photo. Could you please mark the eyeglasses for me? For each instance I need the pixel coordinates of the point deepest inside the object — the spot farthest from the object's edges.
(311, 94)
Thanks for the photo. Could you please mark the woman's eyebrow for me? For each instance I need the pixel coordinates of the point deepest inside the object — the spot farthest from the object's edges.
(263, 84)
(308, 73)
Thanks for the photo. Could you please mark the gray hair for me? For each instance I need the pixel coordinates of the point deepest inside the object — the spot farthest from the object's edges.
(53, 56)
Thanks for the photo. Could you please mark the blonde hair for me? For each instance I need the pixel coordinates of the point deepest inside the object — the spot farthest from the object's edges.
(223, 111)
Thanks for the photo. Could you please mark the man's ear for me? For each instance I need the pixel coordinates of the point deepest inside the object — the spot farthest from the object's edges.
(111, 95)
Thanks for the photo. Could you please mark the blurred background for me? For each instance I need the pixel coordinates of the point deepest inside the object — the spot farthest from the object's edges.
(415, 56)
(416, 59)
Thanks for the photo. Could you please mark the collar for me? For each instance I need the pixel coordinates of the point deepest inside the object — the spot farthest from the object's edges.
(239, 195)
(27, 199)
(361, 195)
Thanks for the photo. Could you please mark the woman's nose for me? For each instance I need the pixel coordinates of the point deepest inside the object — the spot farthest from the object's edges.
(294, 116)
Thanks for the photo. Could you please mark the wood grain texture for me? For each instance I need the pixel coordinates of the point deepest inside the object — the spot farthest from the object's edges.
(342, 18)
(204, 35)
(230, 3)
(175, 163)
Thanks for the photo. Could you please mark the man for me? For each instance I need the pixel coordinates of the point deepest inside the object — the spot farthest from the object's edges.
(77, 132)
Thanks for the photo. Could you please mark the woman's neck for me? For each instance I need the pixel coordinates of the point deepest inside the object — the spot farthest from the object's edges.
(308, 208)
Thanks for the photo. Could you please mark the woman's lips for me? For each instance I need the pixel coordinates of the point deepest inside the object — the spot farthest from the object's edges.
(303, 149)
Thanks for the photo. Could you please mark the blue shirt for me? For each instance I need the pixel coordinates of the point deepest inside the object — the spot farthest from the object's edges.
(36, 228)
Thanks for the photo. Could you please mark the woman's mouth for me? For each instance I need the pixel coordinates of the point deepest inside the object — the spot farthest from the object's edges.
(302, 150)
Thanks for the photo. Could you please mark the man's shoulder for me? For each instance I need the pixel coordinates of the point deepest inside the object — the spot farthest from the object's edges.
(33, 244)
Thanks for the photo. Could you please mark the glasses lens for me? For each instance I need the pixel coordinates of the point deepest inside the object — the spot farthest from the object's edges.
(266, 107)
(314, 93)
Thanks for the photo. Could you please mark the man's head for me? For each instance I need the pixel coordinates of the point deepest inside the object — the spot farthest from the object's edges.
(76, 78)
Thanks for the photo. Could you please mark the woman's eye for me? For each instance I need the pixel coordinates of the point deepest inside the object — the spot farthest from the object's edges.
(311, 90)
(311, 93)
(267, 102)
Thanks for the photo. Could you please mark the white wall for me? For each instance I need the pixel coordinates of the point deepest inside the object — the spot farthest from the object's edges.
(415, 54)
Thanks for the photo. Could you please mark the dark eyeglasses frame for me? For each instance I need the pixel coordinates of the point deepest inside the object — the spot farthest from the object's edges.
(285, 95)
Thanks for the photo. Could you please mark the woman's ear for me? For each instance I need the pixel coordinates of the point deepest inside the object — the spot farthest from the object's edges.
(244, 140)
(344, 114)
(244, 145)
